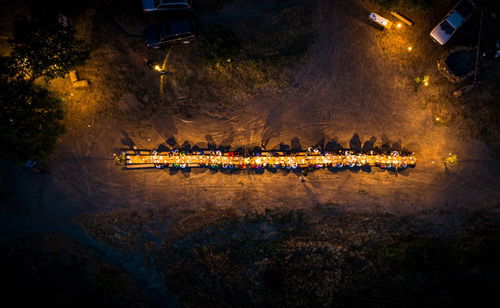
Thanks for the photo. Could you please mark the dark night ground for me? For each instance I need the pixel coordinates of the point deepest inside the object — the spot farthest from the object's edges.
(90, 233)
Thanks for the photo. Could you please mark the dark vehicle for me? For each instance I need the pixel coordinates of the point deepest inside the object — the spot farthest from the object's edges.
(179, 31)
(151, 6)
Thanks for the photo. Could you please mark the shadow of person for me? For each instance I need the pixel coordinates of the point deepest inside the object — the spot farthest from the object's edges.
(240, 150)
(199, 170)
(271, 169)
(404, 171)
(211, 145)
(386, 143)
(199, 146)
(257, 149)
(225, 171)
(173, 171)
(186, 146)
(369, 144)
(321, 143)
(285, 171)
(265, 141)
(355, 143)
(366, 168)
(126, 140)
(235, 171)
(334, 169)
(225, 145)
(333, 145)
(396, 146)
(259, 171)
(172, 142)
(162, 148)
(295, 144)
(284, 147)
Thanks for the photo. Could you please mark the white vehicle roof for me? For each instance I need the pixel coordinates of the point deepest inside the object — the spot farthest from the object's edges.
(455, 19)
(447, 27)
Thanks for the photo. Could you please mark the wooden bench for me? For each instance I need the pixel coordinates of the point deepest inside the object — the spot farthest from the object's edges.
(140, 166)
(402, 18)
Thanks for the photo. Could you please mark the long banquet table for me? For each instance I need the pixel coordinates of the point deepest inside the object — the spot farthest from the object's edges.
(277, 159)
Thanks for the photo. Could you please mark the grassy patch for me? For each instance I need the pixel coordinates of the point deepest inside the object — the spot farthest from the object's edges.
(324, 259)
(242, 50)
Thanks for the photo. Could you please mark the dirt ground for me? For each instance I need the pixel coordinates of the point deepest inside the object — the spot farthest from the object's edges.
(355, 80)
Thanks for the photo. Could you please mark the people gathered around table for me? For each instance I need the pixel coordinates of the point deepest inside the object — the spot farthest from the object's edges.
(312, 158)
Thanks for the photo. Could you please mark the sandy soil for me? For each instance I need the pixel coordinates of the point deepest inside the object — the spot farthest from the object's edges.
(349, 85)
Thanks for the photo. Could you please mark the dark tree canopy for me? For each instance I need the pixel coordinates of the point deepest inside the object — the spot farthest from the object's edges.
(45, 45)
(30, 116)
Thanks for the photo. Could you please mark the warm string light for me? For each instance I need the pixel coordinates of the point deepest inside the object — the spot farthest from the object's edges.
(315, 159)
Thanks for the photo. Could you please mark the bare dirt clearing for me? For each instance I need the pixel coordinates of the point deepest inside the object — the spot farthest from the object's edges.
(349, 84)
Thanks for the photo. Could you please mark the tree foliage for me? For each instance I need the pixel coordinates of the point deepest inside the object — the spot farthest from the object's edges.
(30, 116)
(45, 45)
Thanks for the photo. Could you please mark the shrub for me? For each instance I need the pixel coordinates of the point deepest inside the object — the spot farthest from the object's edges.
(45, 46)
(31, 120)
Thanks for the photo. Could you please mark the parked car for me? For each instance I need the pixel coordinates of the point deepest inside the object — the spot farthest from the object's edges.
(180, 31)
(151, 6)
(454, 20)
